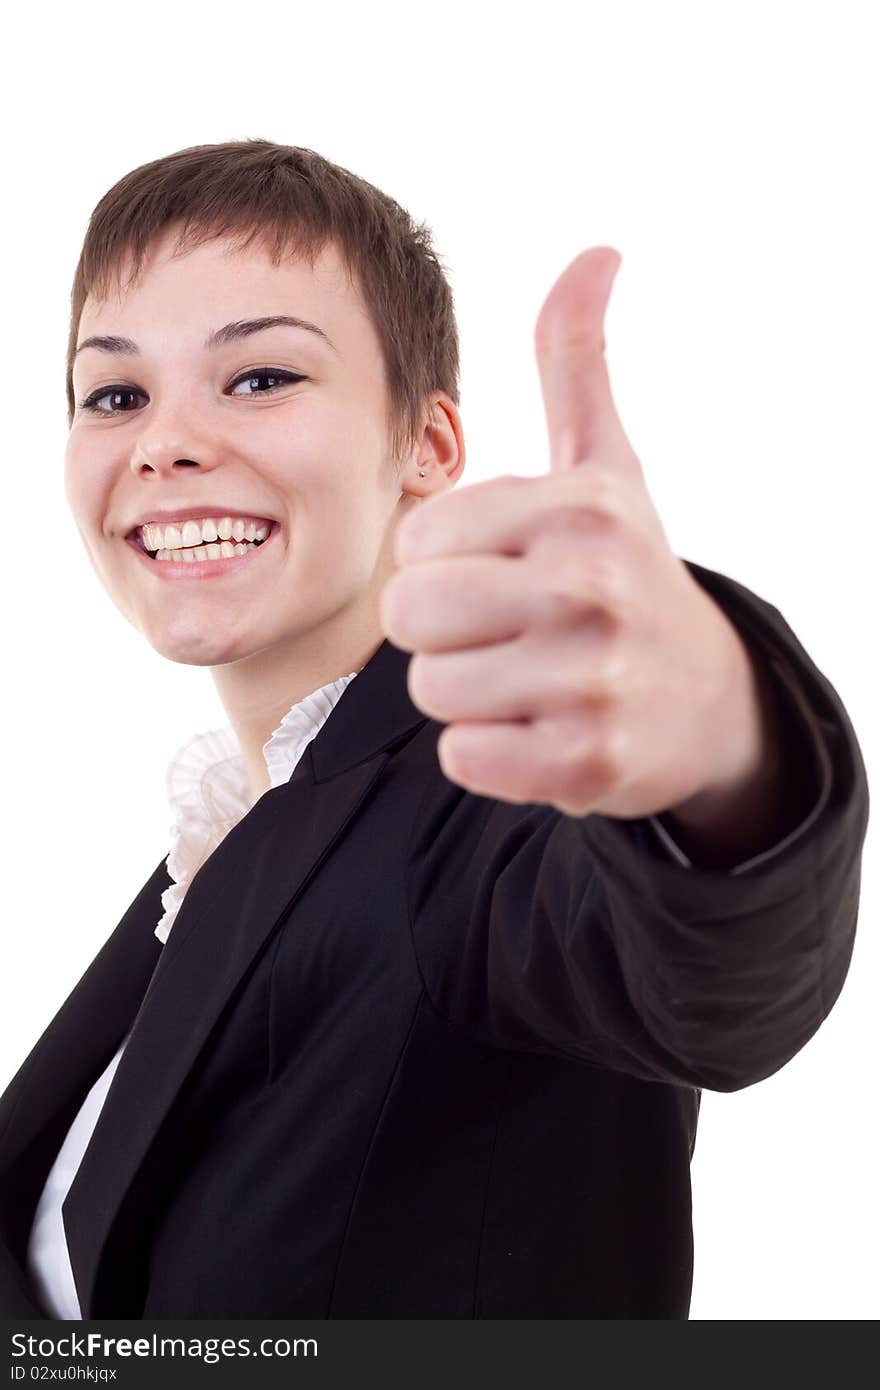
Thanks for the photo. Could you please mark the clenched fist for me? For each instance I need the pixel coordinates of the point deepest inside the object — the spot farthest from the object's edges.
(571, 654)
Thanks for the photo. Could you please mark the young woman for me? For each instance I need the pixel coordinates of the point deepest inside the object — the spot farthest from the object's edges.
(413, 1018)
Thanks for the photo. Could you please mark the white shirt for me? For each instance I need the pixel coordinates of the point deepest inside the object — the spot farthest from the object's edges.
(209, 792)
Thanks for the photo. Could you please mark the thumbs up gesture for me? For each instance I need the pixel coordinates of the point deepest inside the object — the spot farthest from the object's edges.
(573, 657)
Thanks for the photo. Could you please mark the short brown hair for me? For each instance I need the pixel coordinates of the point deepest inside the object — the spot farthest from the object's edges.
(294, 201)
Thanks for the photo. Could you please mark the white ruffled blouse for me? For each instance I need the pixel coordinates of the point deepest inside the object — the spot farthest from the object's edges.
(209, 792)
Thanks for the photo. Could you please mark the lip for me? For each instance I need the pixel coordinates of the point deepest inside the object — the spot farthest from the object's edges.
(167, 517)
(200, 569)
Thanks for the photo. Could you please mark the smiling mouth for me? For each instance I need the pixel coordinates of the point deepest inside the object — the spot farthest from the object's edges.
(210, 550)
(207, 550)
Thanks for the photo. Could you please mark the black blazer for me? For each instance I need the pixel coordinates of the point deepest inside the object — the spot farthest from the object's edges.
(413, 1052)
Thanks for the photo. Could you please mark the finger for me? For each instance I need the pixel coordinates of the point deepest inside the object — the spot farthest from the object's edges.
(474, 601)
(540, 761)
(526, 678)
(582, 420)
(504, 515)
(467, 601)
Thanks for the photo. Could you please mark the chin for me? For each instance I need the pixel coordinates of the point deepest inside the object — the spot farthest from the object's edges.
(199, 648)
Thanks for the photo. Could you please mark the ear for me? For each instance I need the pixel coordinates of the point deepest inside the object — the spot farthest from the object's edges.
(440, 454)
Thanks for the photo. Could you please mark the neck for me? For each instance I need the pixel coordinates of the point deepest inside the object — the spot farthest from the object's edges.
(258, 691)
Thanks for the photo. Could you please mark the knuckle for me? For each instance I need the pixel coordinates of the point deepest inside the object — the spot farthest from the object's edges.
(599, 760)
(557, 604)
(607, 490)
(600, 491)
(597, 767)
(607, 580)
(600, 676)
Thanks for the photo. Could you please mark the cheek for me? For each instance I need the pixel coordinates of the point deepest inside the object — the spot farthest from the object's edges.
(326, 528)
(85, 485)
(333, 537)
(71, 477)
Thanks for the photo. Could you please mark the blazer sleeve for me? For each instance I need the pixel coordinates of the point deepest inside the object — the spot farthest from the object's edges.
(583, 938)
(803, 733)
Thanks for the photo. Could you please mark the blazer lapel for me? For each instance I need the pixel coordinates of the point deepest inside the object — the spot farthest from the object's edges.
(42, 1100)
(230, 910)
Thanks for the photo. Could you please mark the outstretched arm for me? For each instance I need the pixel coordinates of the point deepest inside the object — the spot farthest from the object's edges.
(582, 937)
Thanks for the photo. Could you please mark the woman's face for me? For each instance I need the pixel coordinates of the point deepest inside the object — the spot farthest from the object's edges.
(196, 428)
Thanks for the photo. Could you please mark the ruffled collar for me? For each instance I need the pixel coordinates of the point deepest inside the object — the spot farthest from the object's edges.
(209, 791)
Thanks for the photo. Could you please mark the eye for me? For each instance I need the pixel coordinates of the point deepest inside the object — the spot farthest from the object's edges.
(267, 373)
(92, 402)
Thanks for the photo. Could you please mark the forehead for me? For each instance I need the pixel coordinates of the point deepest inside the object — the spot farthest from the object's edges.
(215, 282)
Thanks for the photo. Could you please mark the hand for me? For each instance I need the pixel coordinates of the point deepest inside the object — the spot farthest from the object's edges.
(571, 654)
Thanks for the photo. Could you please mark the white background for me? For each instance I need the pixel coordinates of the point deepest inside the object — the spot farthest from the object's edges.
(729, 153)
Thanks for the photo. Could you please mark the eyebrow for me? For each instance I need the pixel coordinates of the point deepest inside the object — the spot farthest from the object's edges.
(229, 333)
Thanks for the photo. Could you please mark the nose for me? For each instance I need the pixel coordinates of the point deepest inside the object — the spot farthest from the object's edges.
(142, 464)
(168, 452)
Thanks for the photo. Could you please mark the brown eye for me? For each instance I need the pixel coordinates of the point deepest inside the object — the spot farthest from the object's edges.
(91, 402)
(267, 374)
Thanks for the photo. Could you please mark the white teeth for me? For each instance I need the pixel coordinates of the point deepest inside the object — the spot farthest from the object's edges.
(224, 551)
(190, 534)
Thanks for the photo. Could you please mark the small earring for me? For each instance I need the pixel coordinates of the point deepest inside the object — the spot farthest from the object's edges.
(421, 472)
